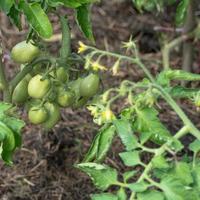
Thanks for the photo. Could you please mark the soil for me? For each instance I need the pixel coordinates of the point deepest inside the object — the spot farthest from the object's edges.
(44, 167)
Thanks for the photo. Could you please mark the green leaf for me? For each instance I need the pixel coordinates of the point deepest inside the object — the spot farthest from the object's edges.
(15, 124)
(139, 187)
(181, 75)
(101, 175)
(172, 188)
(183, 173)
(151, 195)
(69, 3)
(131, 158)
(6, 5)
(196, 176)
(4, 107)
(148, 122)
(125, 133)
(181, 12)
(128, 175)
(10, 132)
(121, 193)
(182, 92)
(7, 157)
(160, 162)
(14, 16)
(195, 146)
(101, 144)
(176, 145)
(37, 18)
(84, 22)
(104, 196)
(91, 154)
(105, 141)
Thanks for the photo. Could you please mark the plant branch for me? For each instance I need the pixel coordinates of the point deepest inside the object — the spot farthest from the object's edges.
(188, 49)
(4, 82)
(122, 57)
(65, 49)
(168, 47)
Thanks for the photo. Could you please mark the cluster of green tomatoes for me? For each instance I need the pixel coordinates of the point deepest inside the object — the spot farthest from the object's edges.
(45, 92)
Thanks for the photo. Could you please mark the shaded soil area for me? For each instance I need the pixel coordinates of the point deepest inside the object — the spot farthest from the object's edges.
(44, 167)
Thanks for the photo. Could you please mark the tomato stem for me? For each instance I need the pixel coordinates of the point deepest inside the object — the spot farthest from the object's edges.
(4, 82)
(65, 49)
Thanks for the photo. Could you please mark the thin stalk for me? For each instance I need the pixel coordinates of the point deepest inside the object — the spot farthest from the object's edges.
(65, 49)
(153, 182)
(132, 60)
(4, 82)
(168, 47)
(132, 197)
(188, 47)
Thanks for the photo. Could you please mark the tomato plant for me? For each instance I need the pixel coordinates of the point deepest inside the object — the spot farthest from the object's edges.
(161, 176)
(47, 83)
(43, 84)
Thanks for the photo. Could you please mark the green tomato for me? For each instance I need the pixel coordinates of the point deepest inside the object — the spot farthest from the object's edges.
(65, 98)
(20, 93)
(62, 74)
(37, 115)
(37, 88)
(53, 115)
(89, 85)
(75, 86)
(24, 52)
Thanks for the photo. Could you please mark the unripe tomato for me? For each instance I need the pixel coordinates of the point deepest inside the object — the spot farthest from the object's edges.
(37, 88)
(53, 115)
(65, 98)
(20, 93)
(24, 52)
(89, 85)
(75, 86)
(37, 115)
(62, 74)
(107, 115)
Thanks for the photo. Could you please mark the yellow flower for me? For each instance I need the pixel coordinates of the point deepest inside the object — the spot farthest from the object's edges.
(115, 67)
(96, 66)
(82, 47)
(108, 115)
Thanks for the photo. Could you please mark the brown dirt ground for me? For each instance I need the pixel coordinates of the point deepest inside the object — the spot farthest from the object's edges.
(43, 168)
